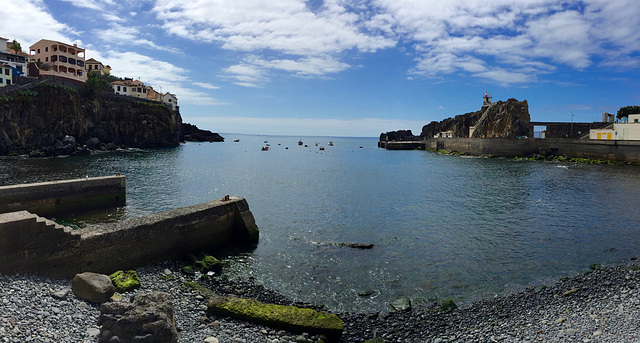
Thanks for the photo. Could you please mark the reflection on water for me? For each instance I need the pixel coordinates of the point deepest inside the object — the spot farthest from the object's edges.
(443, 226)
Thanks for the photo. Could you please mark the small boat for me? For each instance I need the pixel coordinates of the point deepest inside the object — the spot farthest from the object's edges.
(299, 142)
(316, 144)
(361, 147)
(265, 148)
(330, 143)
(236, 140)
(266, 141)
(321, 148)
(306, 146)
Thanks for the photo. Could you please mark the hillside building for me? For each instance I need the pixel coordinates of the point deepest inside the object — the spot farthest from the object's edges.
(94, 66)
(58, 59)
(16, 60)
(6, 75)
(170, 100)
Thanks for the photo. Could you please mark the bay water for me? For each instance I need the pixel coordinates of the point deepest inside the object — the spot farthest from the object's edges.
(442, 226)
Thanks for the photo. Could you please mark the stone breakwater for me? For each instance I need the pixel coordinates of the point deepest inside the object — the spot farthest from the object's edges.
(601, 306)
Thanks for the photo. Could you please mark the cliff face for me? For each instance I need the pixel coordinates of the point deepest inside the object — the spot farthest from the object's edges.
(508, 119)
(49, 118)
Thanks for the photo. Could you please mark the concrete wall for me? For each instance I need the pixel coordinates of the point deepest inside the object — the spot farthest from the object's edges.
(627, 151)
(62, 197)
(30, 244)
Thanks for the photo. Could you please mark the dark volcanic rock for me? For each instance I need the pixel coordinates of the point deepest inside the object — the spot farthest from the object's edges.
(192, 133)
(400, 135)
(149, 318)
(40, 119)
(501, 119)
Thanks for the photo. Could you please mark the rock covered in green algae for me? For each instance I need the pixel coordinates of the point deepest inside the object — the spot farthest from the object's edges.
(209, 263)
(125, 281)
(277, 316)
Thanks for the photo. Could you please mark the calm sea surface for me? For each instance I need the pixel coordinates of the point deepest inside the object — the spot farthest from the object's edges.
(443, 226)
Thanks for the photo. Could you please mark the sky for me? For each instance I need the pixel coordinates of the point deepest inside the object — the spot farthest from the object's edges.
(353, 67)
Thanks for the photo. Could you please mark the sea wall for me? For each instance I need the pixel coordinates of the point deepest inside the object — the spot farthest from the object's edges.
(67, 196)
(33, 245)
(625, 151)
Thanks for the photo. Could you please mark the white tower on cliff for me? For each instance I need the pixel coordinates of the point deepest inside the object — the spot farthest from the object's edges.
(486, 100)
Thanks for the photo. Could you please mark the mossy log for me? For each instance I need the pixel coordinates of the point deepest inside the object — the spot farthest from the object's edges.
(290, 318)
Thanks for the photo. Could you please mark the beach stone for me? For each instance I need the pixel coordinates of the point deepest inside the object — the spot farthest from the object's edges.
(211, 340)
(149, 318)
(93, 287)
(402, 304)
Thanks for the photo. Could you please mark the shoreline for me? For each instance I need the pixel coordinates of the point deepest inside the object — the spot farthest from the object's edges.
(601, 306)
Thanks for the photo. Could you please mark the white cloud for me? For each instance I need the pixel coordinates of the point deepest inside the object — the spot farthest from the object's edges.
(32, 22)
(128, 36)
(205, 85)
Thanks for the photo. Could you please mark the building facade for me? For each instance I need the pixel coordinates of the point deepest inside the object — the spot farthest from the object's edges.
(17, 60)
(628, 131)
(59, 59)
(94, 66)
(6, 75)
(170, 100)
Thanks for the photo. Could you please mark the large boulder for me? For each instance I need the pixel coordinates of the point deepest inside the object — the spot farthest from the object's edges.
(148, 319)
(93, 287)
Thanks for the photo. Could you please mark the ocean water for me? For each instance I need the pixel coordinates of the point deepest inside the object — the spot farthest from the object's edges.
(443, 226)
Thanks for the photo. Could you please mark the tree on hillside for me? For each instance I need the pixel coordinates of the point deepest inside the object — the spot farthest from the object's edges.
(627, 110)
(96, 84)
(15, 46)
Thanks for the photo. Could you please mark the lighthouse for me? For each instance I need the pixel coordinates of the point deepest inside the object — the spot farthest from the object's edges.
(486, 100)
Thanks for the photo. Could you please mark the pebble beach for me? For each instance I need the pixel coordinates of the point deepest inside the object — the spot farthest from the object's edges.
(602, 305)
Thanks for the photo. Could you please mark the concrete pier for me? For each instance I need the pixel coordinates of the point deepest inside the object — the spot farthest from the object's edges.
(30, 244)
(63, 197)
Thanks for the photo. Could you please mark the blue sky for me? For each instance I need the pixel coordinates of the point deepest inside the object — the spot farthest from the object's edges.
(352, 67)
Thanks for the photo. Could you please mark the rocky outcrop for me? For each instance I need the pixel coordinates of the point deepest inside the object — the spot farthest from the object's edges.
(505, 119)
(191, 133)
(149, 318)
(50, 119)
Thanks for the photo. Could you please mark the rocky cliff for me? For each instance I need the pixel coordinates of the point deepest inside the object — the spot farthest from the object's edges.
(192, 133)
(507, 119)
(50, 119)
(400, 135)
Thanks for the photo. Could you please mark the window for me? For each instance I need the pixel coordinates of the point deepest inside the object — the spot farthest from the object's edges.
(46, 59)
(90, 66)
(63, 58)
(38, 50)
(72, 60)
(6, 72)
(54, 58)
(80, 63)
(1, 80)
(118, 88)
(46, 49)
(124, 89)
(8, 81)
(79, 73)
(635, 121)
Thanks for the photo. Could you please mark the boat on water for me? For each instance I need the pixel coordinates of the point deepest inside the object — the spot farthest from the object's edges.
(265, 148)
(300, 143)
(236, 140)
(266, 141)
(330, 143)
(321, 148)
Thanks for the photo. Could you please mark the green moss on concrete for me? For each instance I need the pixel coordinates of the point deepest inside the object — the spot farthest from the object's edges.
(277, 316)
(125, 281)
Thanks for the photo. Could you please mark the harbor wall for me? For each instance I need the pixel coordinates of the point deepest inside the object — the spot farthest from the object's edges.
(614, 150)
(66, 196)
(30, 244)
